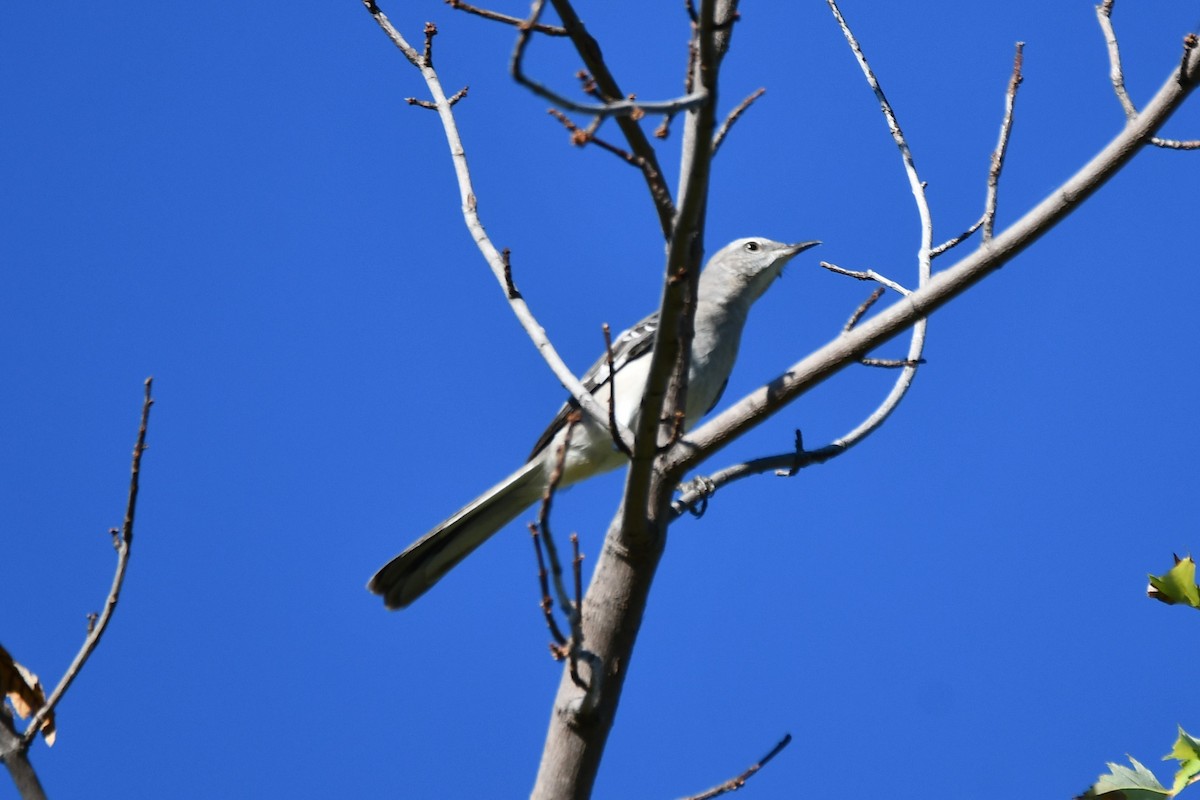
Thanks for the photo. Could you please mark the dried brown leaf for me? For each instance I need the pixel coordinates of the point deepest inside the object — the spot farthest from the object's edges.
(24, 692)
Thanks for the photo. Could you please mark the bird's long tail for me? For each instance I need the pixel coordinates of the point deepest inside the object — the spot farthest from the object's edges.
(423, 563)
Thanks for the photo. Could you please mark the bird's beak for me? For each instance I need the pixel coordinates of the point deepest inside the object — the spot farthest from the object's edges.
(793, 250)
(800, 247)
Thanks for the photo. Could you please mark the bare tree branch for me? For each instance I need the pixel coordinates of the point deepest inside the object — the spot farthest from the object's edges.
(996, 163)
(607, 88)
(862, 309)
(914, 181)
(543, 524)
(993, 183)
(666, 390)
(584, 136)
(618, 442)
(629, 107)
(955, 280)
(916, 345)
(616, 598)
(734, 116)
(123, 542)
(943, 287)
(16, 759)
(784, 465)
(558, 645)
(613, 607)
(1117, 74)
(1176, 144)
(500, 266)
(549, 30)
(867, 275)
(571, 649)
(735, 783)
(694, 494)
(454, 98)
(950, 244)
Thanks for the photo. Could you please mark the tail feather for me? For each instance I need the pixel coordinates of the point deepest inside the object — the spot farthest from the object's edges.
(423, 563)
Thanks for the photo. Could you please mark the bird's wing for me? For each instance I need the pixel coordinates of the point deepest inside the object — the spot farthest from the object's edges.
(632, 344)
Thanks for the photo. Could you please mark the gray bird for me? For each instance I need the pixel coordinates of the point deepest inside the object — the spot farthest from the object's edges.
(732, 280)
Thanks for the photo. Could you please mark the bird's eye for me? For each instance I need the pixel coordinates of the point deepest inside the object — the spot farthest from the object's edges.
(751, 247)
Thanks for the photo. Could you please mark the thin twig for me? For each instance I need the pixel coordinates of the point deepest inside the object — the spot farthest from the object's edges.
(543, 519)
(608, 88)
(432, 106)
(577, 569)
(798, 457)
(629, 107)
(613, 427)
(988, 218)
(558, 646)
(734, 116)
(890, 363)
(611, 105)
(993, 182)
(570, 610)
(915, 183)
(427, 55)
(733, 784)
(784, 465)
(1190, 42)
(582, 136)
(664, 128)
(549, 30)
(587, 84)
(1117, 75)
(862, 309)
(867, 275)
(123, 542)
(470, 211)
(957, 240)
(924, 254)
(1176, 144)
(636, 161)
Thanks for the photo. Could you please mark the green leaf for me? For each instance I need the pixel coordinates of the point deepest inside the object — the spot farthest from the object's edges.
(1187, 752)
(1123, 783)
(1178, 585)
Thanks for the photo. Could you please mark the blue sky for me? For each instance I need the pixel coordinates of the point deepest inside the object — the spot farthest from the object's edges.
(235, 199)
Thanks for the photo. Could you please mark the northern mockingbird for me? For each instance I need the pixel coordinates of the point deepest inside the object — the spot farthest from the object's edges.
(732, 280)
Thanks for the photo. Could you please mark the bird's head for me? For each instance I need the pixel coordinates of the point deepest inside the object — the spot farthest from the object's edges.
(744, 269)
